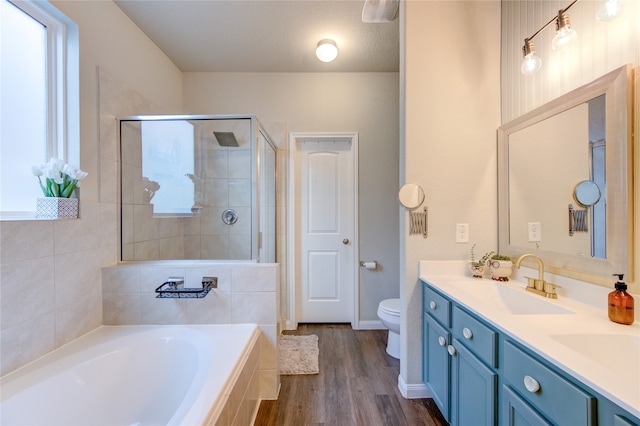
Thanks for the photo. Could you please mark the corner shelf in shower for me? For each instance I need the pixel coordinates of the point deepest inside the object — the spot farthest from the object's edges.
(171, 290)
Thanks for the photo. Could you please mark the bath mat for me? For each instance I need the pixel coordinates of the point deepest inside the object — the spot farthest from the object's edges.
(299, 354)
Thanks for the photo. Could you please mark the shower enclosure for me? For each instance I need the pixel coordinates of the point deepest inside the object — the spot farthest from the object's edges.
(197, 187)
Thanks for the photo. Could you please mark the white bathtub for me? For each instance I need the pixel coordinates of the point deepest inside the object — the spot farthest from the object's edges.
(134, 375)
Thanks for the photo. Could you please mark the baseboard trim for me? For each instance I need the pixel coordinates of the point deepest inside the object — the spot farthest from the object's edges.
(371, 325)
(412, 391)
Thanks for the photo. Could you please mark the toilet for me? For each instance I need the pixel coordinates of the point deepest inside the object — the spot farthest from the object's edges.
(389, 314)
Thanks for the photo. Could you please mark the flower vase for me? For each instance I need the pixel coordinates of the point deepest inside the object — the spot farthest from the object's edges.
(56, 208)
(500, 270)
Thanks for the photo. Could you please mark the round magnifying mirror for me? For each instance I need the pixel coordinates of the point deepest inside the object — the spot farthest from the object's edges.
(587, 193)
(411, 195)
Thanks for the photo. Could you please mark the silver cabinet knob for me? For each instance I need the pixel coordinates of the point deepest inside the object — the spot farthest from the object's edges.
(451, 350)
(467, 333)
(442, 341)
(345, 241)
(531, 384)
(432, 305)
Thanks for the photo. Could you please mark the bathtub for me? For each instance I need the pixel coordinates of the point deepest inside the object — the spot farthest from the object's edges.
(137, 375)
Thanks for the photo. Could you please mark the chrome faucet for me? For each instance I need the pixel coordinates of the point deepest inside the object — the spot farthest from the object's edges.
(538, 286)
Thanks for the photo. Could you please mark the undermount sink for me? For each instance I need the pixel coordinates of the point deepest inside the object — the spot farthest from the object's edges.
(514, 300)
(604, 349)
(518, 302)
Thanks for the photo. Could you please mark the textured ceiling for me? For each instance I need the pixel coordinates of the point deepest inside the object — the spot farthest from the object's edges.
(265, 35)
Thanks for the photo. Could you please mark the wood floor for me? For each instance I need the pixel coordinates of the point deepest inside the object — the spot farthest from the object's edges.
(357, 385)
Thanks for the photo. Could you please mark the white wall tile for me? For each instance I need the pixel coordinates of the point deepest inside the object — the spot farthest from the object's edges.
(121, 308)
(253, 307)
(20, 345)
(77, 274)
(120, 280)
(27, 290)
(78, 234)
(214, 308)
(162, 311)
(26, 240)
(252, 278)
(78, 318)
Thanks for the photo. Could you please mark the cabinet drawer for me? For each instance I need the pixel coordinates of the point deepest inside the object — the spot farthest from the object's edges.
(551, 394)
(437, 306)
(476, 335)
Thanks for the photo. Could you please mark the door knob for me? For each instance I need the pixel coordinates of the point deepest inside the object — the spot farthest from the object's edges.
(345, 241)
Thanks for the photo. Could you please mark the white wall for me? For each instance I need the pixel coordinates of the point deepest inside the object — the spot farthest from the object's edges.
(451, 113)
(329, 102)
(50, 282)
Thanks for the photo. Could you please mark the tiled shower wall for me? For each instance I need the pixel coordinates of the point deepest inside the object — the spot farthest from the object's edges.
(246, 293)
(223, 182)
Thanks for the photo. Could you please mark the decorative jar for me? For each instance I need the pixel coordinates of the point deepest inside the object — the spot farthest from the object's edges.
(56, 208)
(500, 270)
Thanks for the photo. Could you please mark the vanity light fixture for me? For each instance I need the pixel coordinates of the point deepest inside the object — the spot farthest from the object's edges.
(531, 63)
(610, 9)
(564, 33)
(327, 50)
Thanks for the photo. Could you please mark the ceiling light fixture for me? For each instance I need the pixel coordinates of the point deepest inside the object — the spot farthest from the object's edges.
(610, 9)
(531, 63)
(327, 50)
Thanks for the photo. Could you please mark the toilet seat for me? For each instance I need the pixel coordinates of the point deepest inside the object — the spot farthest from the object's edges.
(390, 307)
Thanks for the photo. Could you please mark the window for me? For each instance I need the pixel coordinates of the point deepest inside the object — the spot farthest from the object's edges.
(39, 99)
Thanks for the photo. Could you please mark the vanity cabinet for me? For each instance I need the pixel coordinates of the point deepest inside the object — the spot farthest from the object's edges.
(458, 363)
(479, 376)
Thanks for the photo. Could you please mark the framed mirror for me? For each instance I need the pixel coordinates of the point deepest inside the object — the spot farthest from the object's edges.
(411, 196)
(562, 152)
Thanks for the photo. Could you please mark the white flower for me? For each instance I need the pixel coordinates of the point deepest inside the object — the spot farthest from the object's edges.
(36, 170)
(61, 179)
(74, 172)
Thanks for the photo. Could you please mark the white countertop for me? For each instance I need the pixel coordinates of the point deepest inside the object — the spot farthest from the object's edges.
(614, 374)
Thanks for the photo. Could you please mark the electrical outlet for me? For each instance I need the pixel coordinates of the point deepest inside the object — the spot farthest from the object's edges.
(535, 232)
(462, 232)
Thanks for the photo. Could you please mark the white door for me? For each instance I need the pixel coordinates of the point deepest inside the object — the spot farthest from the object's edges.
(325, 204)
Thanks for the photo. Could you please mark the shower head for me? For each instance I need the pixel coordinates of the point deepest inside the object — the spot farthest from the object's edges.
(226, 138)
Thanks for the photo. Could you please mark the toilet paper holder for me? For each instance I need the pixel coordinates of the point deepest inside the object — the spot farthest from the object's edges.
(369, 265)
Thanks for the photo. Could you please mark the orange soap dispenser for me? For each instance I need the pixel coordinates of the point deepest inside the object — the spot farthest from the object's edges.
(621, 303)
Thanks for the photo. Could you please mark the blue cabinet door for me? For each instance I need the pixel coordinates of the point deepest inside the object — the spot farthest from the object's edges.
(516, 412)
(473, 389)
(436, 364)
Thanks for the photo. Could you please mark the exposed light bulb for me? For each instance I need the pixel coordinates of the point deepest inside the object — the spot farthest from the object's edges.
(327, 50)
(610, 9)
(564, 33)
(531, 63)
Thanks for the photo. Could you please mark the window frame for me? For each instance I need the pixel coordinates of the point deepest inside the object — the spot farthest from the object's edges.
(63, 86)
